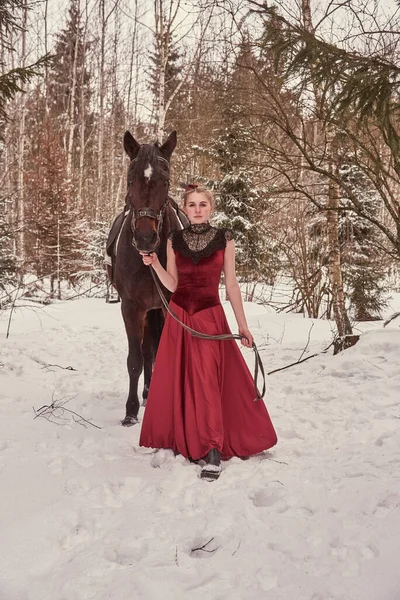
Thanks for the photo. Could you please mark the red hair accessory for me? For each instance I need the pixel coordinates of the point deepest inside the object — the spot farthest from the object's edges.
(191, 186)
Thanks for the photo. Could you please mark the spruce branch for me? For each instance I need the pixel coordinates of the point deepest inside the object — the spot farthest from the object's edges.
(13, 81)
(351, 86)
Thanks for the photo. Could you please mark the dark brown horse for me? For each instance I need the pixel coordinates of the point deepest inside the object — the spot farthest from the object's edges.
(151, 218)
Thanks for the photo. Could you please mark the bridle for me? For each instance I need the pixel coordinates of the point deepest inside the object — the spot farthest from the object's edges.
(149, 212)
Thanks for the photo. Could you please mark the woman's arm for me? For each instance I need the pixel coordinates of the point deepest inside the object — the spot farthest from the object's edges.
(234, 295)
(168, 277)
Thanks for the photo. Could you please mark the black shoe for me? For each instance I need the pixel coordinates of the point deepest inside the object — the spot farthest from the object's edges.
(212, 469)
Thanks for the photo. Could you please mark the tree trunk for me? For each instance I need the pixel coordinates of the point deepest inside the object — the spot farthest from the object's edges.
(71, 112)
(100, 139)
(334, 263)
(82, 112)
(161, 38)
(334, 267)
(21, 151)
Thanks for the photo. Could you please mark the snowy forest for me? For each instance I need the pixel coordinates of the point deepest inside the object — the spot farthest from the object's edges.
(288, 111)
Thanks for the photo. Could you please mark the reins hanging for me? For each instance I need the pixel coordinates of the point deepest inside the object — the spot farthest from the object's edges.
(258, 366)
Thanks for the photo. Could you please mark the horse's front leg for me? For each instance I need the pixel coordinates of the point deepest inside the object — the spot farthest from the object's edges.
(134, 325)
(152, 333)
(148, 360)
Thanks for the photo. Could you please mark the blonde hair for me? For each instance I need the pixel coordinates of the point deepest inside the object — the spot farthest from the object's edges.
(198, 189)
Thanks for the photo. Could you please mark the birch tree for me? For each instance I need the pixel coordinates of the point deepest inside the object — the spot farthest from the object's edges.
(20, 212)
(167, 37)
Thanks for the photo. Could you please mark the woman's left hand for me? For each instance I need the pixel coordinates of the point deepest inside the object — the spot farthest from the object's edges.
(247, 338)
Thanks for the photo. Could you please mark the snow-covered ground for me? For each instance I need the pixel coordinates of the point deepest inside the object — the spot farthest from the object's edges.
(87, 514)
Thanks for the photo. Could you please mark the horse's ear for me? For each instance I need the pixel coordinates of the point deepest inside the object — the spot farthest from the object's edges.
(131, 145)
(169, 145)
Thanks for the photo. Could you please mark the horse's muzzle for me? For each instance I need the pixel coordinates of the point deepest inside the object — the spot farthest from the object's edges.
(145, 242)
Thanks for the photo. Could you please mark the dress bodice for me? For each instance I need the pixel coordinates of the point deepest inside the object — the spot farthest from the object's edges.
(198, 284)
(199, 255)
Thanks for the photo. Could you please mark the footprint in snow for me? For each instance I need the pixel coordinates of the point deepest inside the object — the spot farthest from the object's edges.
(290, 434)
(128, 554)
(56, 466)
(161, 458)
(76, 487)
(388, 504)
(269, 497)
(77, 535)
(380, 441)
(6, 448)
(352, 554)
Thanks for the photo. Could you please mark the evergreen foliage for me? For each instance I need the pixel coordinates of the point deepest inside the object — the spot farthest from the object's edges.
(92, 250)
(240, 205)
(172, 71)
(12, 81)
(53, 225)
(8, 263)
(353, 95)
(70, 41)
(358, 86)
(171, 68)
(363, 269)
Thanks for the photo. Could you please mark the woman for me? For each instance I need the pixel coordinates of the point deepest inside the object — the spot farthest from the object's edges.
(201, 398)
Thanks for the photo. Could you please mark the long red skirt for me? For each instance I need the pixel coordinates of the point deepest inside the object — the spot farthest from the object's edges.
(202, 393)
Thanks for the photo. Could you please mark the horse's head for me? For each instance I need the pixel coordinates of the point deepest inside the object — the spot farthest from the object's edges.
(148, 183)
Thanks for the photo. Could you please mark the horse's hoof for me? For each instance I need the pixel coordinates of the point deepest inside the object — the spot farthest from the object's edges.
(129, 421)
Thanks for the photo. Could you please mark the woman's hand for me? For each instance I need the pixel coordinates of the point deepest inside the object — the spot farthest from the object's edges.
(149, 258)
(247, 338)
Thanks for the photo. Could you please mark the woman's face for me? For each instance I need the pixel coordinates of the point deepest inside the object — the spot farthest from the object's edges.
(198, 208)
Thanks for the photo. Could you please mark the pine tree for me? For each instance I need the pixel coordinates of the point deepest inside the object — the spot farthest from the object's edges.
(69, 90)
(8, 263)
(172, 70)
(363, 267)
(241, 206)
(92, 247)
(52, 236)
(243, 202)
(68, 41)
(13, 81)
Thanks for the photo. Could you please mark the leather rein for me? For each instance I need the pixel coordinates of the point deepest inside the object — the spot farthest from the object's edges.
(258, 366)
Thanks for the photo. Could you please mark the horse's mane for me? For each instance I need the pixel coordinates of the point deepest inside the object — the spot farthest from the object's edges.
(150, 153)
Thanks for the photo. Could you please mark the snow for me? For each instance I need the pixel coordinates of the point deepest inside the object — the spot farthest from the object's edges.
(85, 513)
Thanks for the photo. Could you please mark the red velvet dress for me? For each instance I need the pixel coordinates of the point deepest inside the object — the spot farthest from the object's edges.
(202, 393)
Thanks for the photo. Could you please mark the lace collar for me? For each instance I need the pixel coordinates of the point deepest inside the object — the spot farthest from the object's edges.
(199, 227)
(199, 240)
